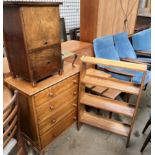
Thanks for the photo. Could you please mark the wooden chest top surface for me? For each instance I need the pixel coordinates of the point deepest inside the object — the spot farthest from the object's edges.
(22, 3)
(26, 87)
(73, 45)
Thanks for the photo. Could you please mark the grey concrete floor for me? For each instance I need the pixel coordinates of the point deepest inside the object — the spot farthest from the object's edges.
(93, 141)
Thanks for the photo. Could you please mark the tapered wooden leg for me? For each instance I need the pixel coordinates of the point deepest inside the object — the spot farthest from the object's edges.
(75, 57)
(128, 140)
(34, 83)
(60, 71)
(78, 123)
(13, 75)
(146, 142)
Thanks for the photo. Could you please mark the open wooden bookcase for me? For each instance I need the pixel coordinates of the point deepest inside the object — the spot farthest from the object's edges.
(98, 78)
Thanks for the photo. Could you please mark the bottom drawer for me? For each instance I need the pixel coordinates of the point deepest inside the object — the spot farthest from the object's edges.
(50, 135)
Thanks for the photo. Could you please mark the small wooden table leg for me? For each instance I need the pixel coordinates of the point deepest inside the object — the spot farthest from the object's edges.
(75, 57)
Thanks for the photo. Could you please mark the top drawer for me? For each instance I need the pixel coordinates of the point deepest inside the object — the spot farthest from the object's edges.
(55, 90)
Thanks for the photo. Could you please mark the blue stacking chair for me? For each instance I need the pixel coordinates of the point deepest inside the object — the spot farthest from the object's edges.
(104, 48)
(141, 42)
(125, 49)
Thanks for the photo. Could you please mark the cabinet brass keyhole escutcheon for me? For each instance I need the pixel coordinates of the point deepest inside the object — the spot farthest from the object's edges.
(45, 43)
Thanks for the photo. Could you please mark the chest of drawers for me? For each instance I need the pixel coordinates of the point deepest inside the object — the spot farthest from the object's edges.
(49, 108)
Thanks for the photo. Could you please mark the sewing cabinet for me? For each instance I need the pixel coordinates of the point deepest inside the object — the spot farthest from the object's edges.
(32, 39)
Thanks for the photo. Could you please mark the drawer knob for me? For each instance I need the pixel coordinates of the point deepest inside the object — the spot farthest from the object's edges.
(45, 43)
(52, 107)
(74, 117)
(75, 93)
(54, 135)
(75, 82)
(51, 94)
(53, 121)
(74, 105)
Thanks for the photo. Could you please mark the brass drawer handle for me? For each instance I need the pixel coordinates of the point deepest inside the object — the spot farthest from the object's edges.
(53, 121)
(75, 93)
(52, 107)
(74, 105)
(75, 82)
(51, 94)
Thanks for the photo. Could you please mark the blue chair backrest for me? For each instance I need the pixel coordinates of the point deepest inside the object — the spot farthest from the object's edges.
(123, 46)
(142, 40)
(104, 48)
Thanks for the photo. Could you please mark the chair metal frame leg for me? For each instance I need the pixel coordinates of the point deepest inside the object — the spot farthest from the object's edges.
(146, 126)
(146, 142)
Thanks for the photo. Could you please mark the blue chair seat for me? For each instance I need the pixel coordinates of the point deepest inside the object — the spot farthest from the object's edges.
(142, 40)
(104, 48)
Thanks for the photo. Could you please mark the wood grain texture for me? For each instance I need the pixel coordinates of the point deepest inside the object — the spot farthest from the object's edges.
(43, 31)
(45, 62)
(49, 108)
(57, 103)
(58, 129)
(33, 40)
(6, 69)
(102, 17)
(107, 104)
(88, 19)
(31, 3)
(111, 105)
(53, 91)
(26, 88)
(29, 119)
(74, 45)
(56, 117)
(106, 16)
(111, 93)
(14, 42)
(98, 90)
(7, 95)
(123, 86)
(97, 73)
(79, 48)
(105, 124)
(114, 63)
